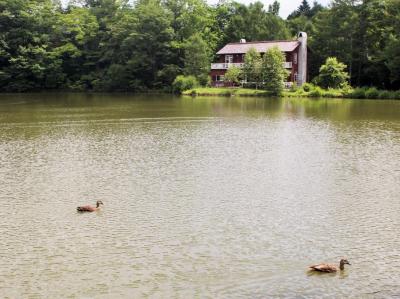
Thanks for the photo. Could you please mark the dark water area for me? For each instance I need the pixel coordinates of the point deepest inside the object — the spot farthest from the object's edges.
(204, 197)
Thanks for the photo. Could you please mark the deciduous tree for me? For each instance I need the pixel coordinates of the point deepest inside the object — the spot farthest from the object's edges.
(273, 72)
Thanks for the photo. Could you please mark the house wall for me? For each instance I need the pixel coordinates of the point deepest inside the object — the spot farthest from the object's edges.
(237, 58)
(213, 74)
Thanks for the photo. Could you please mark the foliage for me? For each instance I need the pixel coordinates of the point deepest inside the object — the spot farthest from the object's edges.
(386, 94)
(252, 67)
(305, 10)
(317, 92)
(273, 71)
(233, 75)
(274, 8)
(307, 87)
(250, 22)
(182, 83)
(372, 93)
(196, 58)
(332, 74)
(358, 93)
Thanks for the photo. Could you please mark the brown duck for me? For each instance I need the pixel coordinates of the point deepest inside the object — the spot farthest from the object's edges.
(90, 208)
(329, 268)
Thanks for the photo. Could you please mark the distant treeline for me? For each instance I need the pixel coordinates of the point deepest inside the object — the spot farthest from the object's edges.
(113, 45)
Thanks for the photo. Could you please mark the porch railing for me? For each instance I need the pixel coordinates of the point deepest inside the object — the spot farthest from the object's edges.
(225, 66)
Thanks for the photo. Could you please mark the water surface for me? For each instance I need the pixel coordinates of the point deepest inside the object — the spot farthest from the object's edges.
(204, 197)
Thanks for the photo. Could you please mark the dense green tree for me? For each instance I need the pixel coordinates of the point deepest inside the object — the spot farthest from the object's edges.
(197, 58)
(254, 23)
(27, 59)
(252, 67)
(335, 35)
(151, 45)
(391, 52)
(273, 72)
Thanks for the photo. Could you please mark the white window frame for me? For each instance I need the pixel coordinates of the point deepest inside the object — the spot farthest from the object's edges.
(228, 58)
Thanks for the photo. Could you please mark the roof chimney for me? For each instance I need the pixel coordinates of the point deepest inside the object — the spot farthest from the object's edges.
(302, 60)
(242, 41)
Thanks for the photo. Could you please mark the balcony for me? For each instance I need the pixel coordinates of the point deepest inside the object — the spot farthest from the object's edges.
(225, 66)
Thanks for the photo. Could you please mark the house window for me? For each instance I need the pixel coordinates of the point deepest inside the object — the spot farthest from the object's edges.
(228, 58)
(295, 58)
(219, 78)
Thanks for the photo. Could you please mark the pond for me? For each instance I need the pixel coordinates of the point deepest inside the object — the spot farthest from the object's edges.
(203, 197)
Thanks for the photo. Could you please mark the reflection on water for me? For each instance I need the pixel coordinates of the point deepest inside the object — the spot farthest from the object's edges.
(204, 197)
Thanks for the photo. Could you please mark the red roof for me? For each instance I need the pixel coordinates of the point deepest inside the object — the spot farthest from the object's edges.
(261, 47)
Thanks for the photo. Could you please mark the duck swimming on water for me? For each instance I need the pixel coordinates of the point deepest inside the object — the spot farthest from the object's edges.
(329, 268)
(90, 208)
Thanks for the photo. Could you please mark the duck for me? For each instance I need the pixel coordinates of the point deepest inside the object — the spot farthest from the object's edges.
(90, 208)
(329, 268)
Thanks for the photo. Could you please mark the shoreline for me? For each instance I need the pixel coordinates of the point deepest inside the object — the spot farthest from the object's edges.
(317, 93)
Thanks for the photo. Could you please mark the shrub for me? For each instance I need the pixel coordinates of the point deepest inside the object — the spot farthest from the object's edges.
(294, 87)
(317, 92)
(385, 94)
(232, 75)
(397, 95)
(182, 83)
(333, 93)
(307, 87)
(372, 93)
(332, 74)
(358, 93)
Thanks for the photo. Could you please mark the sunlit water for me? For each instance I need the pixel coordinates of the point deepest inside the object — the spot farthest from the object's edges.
(204, 198)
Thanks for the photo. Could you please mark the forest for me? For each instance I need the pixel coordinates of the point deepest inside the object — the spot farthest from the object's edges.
(117, 45)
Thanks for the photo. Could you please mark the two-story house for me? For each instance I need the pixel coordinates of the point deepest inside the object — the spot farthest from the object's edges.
(233, 54)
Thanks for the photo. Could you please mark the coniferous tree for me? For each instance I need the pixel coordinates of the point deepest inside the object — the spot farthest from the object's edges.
(274, 8)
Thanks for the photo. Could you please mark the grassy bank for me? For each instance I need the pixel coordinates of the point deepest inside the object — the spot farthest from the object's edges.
(307, 91)
(226, 92)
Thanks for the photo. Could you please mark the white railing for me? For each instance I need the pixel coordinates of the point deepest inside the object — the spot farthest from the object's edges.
(288, 85)
(225, 66)
(287, 65)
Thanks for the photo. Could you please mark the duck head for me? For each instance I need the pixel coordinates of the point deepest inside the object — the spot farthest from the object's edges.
(343, 262)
